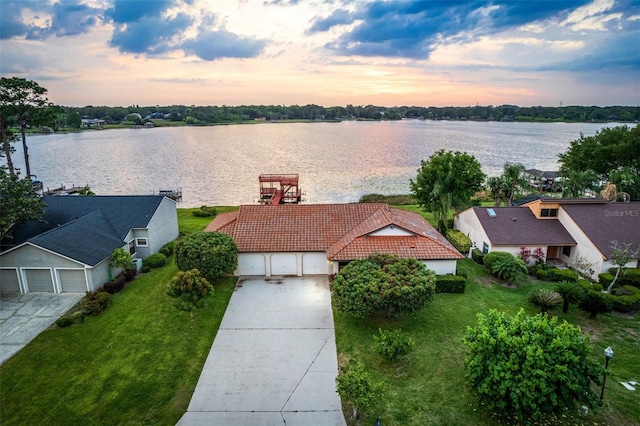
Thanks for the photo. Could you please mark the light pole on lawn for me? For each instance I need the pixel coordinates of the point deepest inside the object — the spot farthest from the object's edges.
(608, 353)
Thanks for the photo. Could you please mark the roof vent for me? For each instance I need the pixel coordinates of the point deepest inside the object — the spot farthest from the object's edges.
(491, 213)
(514, 219)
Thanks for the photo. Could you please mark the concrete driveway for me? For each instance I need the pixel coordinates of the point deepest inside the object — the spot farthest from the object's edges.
(24, 316)
(273, 361)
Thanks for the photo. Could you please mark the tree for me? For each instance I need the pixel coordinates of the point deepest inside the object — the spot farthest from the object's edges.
(576, 182)
(189, 288)
(19, 202)
(546, 300)
(529, 366)
(571, 292)
(511, 181)
(357, 387)
(212, 253)
(383, 283)
(494, 184)
(620, 256)
(121, 259)
(595, 303)
(23, 99)
(447, 180)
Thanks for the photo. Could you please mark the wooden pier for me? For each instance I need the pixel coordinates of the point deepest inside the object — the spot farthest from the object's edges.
(64, 190)
(174, 194)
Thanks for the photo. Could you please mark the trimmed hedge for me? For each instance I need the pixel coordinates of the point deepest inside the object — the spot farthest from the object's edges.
(113, 287)
(477, 256)
(168, 248)
(628, 276)
(626, 299)
(459, 240)
(555, 274)
(605, 279)
(205, 211)
(155, 260)
(450, 284)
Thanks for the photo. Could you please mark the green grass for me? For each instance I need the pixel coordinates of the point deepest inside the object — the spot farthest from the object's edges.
(189, 223)
(429, 387)
(136, 363)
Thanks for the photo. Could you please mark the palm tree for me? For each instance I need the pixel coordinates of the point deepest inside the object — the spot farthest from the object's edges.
(546, 300)
(576, 182)
(494, 184)
(512, 180)
(571, 292)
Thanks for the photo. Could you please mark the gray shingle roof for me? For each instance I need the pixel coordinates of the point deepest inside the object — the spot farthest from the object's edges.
(87, 229)
(605, 223)
(518, 226)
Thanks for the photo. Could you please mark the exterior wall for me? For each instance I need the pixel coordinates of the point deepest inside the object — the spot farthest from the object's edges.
(163, 226)
(390, 231)
(98, 275)
(441, 267)
(584, 249)
(467, 222)
(289, 262)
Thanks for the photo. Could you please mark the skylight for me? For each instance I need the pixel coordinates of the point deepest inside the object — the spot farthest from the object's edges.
(491, 213)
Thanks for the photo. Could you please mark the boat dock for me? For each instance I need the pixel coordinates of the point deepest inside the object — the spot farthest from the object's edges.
(174, 194)
(64, 190)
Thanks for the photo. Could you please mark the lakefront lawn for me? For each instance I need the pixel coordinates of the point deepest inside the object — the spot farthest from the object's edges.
(428, 387)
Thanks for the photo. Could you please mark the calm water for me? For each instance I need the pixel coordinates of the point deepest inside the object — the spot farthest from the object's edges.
(337, 162)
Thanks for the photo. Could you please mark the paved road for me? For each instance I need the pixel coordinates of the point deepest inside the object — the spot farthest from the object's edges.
(24, 316)
(273, 361)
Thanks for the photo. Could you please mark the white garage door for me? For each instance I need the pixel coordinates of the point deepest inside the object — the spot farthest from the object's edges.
(314, 263)
(251, 264)
(283, 264)
(39, 280)
(72, 281)
(9, 281)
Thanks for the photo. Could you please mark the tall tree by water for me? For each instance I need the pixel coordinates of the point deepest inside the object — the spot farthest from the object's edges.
(18, 202)
(23, 99)
(447, 180)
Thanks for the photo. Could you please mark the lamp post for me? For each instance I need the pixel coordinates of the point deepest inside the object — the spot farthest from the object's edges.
(608, 353)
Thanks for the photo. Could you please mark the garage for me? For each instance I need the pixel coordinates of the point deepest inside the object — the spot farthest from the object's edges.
(314, 264)
(39, 280)
(9, 281)
(283, 264)
(251, 264)
(72, 280)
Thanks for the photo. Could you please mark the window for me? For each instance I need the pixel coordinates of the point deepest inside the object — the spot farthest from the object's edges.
(485, 248)
(548, 212)
(132, 247)
(566, 250)
(142, 242)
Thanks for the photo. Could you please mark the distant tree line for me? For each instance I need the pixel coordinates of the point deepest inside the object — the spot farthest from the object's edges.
(203, 115)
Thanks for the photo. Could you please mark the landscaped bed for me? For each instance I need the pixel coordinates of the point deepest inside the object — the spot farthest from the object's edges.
(428, 387)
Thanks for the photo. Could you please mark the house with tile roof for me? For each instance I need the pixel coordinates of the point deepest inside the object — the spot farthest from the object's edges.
(579, 233)
(70, 250)
(320, 238)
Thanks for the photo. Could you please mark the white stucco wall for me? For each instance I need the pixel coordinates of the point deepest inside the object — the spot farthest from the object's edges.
(467, 222)
(584, 247)
(391, 230)
(441, 267)
(163, 226)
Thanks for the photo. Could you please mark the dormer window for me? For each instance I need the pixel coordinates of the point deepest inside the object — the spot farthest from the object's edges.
(548, 212)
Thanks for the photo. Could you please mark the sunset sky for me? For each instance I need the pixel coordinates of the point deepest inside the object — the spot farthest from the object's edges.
(387, 53)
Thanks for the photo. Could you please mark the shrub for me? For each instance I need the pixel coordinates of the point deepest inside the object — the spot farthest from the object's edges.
(628, 276)
(145, 269)
(392, 344)
(477, 256)
(556, 274)
(121, 258)
(546, 300)
(625, 299)
(114, 286)
(96, 302)
(508, 268)
(595, 303)
(189, 288)
(168, 249)
(493, 256)
(542, 274)
(459, 240)
(450, 284)
(383, 283)
(205, 211)
(597, 287)
(356, 387)
(156, 260)
(605, 279)
(63, 322)
(530, 366)
(212, 253)
(130, 274)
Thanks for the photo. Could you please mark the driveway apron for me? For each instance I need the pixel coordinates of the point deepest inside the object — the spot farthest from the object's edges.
(273, 361)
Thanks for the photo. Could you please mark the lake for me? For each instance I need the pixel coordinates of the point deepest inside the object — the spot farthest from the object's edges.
(337, 162)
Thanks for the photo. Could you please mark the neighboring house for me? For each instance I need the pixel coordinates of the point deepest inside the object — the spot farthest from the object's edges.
(576, 232)
(70, 250)
(321, 238)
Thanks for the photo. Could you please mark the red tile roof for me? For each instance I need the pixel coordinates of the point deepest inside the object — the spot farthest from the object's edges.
(341, 230)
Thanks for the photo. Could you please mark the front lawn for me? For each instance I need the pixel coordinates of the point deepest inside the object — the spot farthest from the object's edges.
(429, 387)
(136, 363)
(188, 223)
